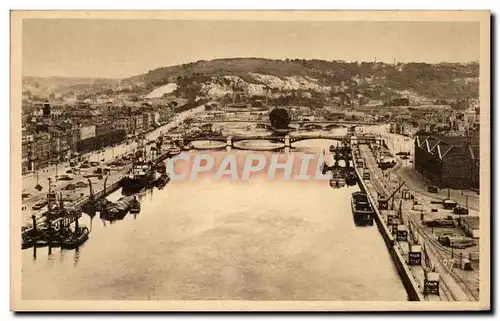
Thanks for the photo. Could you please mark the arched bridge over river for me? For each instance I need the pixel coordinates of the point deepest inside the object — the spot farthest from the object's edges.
(287, 140)
(319, 124)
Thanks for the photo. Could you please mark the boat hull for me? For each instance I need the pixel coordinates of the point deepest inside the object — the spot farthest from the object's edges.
(76, 241)
(135, 207)
(162, 181)
(132, 186)
(337, 183)
(362, 212)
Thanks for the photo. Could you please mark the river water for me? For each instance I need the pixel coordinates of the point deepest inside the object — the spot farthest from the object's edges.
(224, 240)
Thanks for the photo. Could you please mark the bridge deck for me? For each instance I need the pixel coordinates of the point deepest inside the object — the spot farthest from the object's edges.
(292, 137)
(215, 121)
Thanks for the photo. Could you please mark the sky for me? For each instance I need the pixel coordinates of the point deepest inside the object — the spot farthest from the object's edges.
(124, 48)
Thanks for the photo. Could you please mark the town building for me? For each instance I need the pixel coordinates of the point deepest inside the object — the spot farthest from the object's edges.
(448, 162)
(28, 152)
(42, 150)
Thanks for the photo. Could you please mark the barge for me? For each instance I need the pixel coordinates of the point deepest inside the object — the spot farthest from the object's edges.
(361, 209)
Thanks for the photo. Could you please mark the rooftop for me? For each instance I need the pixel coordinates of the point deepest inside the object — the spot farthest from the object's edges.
(448, 145)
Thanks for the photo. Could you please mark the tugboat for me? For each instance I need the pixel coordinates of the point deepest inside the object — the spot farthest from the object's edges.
(361, 209)
(163, 180)
(140, 176)
(337, 179)
(351, 178)
(77, 238)
(161, 168)
(135, 206)
(30, 235)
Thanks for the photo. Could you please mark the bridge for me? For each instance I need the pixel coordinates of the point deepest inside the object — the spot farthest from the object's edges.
(287, 140)
(320, 124)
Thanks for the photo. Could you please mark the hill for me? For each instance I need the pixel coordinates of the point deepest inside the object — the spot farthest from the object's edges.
(311, 79)
(44, 86)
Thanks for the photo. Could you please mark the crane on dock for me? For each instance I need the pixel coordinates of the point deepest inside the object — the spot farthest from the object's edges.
(89, 206)
(383, 201)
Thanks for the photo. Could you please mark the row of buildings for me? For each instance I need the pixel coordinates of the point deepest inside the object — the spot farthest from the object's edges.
(435, 120)
(51, 134)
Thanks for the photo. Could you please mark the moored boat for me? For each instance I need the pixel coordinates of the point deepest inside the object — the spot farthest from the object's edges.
(361, 209)
(121, 208)
(162, 180)
(76, 239)
(161, 168)
(135, 206)
(337, 180)
(140, 177)
(351, 178)
(29, 241)
(116, 211)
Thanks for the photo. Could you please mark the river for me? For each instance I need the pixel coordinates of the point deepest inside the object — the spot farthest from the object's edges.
(224, 240)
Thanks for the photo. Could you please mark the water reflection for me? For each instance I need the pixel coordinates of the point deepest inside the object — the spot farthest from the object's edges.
(76, 256)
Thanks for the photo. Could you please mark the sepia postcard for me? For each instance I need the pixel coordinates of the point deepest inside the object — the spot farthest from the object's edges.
(250, 161)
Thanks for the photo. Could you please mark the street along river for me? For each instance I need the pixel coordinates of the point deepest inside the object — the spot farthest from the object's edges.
(224, 240)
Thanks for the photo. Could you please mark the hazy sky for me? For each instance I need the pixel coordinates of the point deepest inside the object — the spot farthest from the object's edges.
(122, 48)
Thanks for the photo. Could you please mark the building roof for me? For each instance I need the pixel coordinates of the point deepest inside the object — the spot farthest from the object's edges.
(443, 146)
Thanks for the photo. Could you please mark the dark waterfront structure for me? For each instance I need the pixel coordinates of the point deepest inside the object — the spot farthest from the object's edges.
(103, 140)
(448, 162)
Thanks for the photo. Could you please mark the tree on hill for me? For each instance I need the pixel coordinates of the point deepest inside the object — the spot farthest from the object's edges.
(279, 118)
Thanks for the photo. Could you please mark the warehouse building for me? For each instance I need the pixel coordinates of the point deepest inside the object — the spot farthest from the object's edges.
(448, 162)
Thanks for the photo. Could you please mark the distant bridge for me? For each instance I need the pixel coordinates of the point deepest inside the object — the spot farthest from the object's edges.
(299, 124)
(287, 140)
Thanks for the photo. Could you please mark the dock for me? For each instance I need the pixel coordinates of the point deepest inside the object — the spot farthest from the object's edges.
(426, 271)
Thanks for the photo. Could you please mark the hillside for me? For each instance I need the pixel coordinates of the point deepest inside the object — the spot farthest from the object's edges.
(44, 86)
(315, 79)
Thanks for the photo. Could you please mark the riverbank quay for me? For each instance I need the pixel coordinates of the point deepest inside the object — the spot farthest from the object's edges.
(421, 260)
(100, 188)
(29, 181)
(33, 196)
(413, 286)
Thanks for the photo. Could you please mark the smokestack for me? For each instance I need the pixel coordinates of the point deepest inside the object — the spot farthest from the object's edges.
(33, 218)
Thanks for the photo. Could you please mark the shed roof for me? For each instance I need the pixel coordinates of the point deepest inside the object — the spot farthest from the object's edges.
(444, 146)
